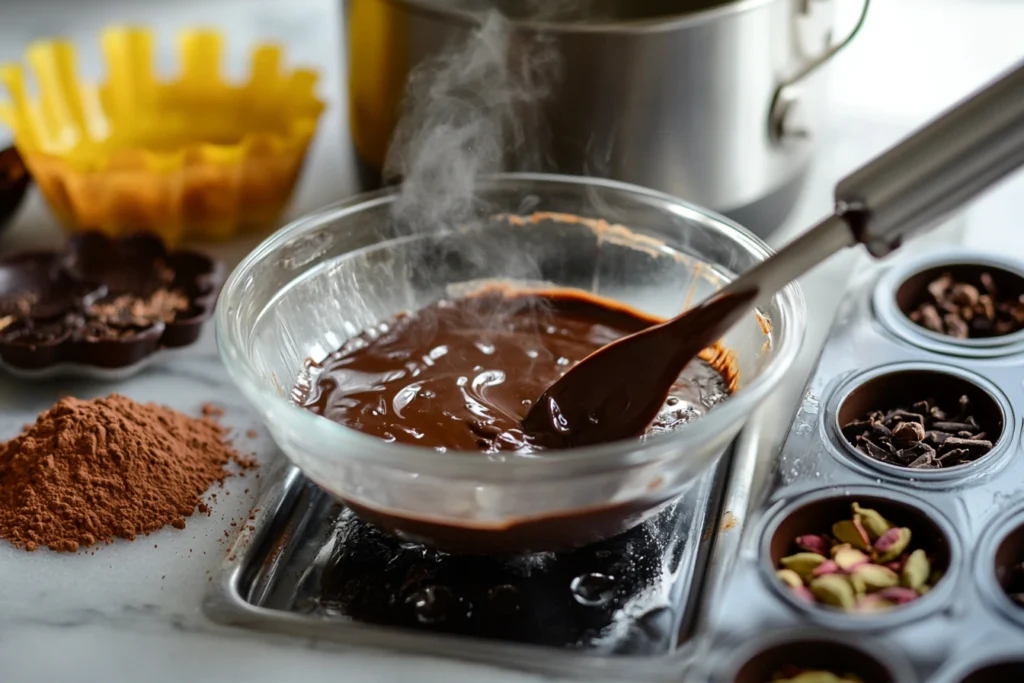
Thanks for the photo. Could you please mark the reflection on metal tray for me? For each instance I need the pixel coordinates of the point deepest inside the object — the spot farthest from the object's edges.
(306, 565)
(966, 622)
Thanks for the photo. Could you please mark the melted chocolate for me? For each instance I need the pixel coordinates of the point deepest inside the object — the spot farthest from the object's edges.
(461, 374)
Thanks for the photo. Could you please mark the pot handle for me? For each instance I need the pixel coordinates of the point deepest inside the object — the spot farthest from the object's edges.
(785, 96)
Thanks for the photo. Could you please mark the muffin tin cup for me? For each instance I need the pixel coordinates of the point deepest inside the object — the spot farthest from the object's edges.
(874, 389)
(816, 511)
(1002, 546)
(915, 273)
(1005, 668)
(761, 655)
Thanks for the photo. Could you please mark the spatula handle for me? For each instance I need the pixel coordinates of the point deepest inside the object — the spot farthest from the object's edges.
(909, 188)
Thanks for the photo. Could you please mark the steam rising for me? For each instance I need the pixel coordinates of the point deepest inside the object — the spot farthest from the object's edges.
(470, 111)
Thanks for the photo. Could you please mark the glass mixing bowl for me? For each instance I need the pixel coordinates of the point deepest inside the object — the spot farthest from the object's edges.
(328, 276)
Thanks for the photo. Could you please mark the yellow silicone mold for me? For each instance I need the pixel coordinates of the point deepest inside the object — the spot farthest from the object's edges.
(194, 156)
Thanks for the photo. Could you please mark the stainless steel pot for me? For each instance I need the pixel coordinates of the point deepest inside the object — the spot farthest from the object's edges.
(719, 102)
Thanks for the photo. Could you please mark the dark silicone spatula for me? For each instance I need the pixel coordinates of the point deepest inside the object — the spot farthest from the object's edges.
(617, 391)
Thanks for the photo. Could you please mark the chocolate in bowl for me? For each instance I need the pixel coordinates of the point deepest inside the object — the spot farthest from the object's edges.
(329, 276)
(461, 373)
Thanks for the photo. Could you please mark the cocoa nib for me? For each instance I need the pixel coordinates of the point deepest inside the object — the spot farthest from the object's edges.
(923, 436)
(963, 310)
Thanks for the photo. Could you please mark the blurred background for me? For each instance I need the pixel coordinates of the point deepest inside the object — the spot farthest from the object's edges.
(911, 59)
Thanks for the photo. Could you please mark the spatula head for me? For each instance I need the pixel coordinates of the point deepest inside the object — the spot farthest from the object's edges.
(616, 392)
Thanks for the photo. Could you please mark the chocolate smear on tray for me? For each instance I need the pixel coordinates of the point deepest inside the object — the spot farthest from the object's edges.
(969, 307)
(924, 435)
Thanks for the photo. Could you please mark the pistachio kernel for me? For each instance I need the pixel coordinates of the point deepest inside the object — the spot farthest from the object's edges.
(874, 603)
(802, 563)
(916, 570)
(818, 677)
(872, 521)
(846, 532)
(838, 548)
(891, 544)
(826, 567)
(898, 594)
(876, 577)
(790, 578)
(848, 558)
(813, 543)
(802, 592)
(835, 590)
(857, 584)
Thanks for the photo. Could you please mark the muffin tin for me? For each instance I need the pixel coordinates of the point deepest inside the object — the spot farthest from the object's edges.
(969, 517)
(730, 618)
(48, 301)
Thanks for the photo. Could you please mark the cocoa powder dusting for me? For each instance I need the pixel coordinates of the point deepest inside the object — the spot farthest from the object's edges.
(90, 471)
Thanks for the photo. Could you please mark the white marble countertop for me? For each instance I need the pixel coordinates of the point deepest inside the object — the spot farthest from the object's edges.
(132, 611)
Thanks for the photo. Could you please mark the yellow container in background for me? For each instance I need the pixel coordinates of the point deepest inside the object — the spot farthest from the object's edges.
(192, 157)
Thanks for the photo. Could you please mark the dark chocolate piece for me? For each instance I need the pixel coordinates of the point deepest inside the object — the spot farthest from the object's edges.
(102, 302)
(921, 437)
(968, 304)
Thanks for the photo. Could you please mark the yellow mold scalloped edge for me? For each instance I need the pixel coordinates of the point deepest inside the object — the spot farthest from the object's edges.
(194, 156)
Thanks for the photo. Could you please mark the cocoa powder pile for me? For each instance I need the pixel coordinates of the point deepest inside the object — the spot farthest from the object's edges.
(90, 471)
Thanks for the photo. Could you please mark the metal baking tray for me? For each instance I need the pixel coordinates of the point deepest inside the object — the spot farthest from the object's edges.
(304, 565)
(966, 623)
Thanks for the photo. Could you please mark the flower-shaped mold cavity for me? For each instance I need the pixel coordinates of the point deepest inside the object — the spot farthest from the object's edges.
(101, 304)
(786, 660)
(921, 421)
(14, 181)
(862, 559)
(190, 156)
(956, 303)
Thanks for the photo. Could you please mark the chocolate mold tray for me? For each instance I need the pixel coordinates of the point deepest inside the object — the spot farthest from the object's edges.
(101, 307)
(967, 516)
(305, 565)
